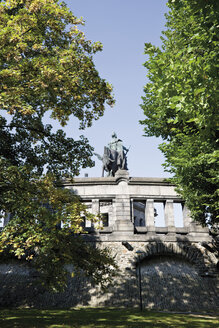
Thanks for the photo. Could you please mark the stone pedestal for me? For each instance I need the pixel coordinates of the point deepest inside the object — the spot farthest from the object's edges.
(122, 174)
(123, 203)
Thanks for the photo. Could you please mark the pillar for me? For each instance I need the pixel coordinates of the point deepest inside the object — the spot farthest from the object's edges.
(95, 209)
(187, 220)
(169, 216)
(123, 214)
(149, 215)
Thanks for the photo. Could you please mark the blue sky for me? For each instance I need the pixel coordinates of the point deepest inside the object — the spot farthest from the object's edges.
(123, 26)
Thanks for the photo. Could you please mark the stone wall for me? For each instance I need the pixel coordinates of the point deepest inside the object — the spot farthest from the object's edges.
(178, 272)
(173, 278)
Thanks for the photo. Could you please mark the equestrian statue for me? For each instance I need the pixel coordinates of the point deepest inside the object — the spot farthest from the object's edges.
(114, 157)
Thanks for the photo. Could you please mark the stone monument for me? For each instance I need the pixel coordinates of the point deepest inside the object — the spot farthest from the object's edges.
(114, 157)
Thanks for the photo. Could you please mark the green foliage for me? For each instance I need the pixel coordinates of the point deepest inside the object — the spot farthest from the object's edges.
(46, 64)
(34, 234)
(181, 102)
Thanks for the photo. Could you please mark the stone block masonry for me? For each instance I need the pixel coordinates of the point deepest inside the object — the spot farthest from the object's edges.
(178, 271)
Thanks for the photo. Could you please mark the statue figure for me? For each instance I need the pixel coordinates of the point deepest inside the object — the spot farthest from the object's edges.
(116, 146)
(114, 157)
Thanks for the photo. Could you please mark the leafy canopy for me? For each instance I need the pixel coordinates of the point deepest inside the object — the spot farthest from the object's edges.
(46, 65)
(181, 102)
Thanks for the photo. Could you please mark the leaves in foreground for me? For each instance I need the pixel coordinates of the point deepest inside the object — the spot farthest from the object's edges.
(181, 103)
(47, 67)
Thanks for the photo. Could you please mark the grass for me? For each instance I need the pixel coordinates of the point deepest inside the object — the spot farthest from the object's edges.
(102, 318)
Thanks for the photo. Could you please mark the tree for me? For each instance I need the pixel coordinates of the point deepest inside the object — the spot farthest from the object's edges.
(181, 102)
(46, 65)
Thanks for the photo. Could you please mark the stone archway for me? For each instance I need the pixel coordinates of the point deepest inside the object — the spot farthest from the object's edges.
(172, 283)
(173, 278)
(200, 257)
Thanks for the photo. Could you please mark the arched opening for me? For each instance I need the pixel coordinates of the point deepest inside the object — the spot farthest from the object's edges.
(170, 282)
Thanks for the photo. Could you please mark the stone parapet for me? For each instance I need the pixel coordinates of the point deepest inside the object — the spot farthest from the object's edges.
(128, 206)
(132, 207)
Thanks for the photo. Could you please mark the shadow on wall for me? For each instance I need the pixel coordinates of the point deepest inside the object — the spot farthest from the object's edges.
(169, 282)
(173, 277)
(19, 288)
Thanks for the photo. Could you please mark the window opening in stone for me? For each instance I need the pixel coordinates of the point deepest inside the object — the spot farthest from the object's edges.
(159, 214)
(135, 221)
(178, 214)
(83, 222)
(139, 213)
(87, 223)
(105, 219)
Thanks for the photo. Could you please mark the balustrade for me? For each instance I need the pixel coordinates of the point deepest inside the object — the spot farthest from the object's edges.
(131, 205)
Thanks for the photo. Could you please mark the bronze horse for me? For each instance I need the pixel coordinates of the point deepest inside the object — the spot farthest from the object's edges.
(109, 161)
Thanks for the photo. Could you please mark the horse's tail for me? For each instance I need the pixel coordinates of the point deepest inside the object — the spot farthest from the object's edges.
(98, 156)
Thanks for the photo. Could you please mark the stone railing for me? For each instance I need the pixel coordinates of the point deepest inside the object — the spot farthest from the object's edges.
(127, 207)
(122, 200)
